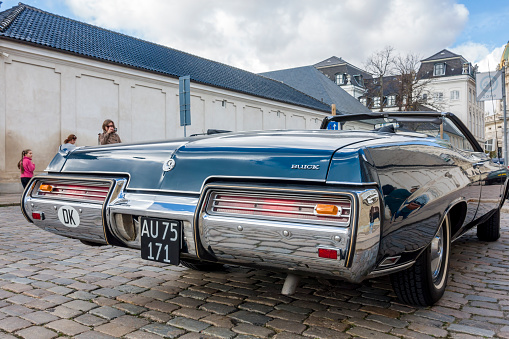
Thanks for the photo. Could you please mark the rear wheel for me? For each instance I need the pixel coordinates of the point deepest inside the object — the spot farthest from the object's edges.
(490, 229)
(424, 283)
(201, 265)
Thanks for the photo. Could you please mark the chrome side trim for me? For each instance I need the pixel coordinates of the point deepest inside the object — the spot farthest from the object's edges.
(366, 234)
(386, 271)
(352, 184)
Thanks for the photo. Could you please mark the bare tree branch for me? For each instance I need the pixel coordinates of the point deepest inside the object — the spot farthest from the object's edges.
(381, 64)
(412, 84)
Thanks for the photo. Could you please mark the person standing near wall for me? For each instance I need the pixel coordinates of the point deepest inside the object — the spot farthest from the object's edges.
(69, 143)
(109, 134)
(26, 167)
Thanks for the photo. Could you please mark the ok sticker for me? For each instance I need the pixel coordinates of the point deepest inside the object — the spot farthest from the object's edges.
(68, 216)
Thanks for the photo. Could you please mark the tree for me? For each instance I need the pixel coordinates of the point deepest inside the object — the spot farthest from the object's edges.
(381, 64)
(411, 84)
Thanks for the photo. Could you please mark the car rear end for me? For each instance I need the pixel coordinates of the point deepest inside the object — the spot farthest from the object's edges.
(289, 219)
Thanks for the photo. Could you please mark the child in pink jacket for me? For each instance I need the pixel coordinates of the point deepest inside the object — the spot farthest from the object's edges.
(26, 166)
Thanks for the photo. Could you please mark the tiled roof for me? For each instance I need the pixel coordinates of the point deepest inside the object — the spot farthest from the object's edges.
(443, 54)
(453, 65)
(333, 60)
(309, 80)
(31, 25)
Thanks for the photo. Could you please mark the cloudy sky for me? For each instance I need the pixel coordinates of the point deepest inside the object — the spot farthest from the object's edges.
(265, 35)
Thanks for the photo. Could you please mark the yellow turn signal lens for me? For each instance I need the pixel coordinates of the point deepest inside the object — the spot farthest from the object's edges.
(46, 188)
(326, 209)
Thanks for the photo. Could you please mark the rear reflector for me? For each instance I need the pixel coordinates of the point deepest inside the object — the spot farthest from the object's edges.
(329, 254)
(38, 215)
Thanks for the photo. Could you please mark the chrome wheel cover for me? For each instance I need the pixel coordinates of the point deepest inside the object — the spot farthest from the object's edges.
(437, 255)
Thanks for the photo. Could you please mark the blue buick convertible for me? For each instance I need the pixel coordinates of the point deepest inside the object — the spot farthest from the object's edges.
(366, 195)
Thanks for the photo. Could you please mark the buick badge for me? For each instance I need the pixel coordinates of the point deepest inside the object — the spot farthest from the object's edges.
(306, 167)
(168, 165)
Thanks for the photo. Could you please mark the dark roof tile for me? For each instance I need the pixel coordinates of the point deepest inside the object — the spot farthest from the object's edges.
(312, 82)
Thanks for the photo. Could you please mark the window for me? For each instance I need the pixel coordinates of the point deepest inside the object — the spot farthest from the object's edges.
(376, 102)
(364, 101)
(425, 97)
(358, 79)
(466, 69)
(455, 95)
(340, 79)
(439, 69)
(391, 100)
(438, 96)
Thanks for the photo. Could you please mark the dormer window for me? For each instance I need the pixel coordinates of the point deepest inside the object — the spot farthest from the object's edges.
(439, 69)
(358, 79)
(466, 69)
(340, 79)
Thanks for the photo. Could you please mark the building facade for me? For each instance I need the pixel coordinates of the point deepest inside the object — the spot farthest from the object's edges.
(451, 87)
(59, 76)
(447, 83)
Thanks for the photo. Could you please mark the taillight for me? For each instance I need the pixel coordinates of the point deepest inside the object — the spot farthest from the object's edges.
(73, 190)
(317, 208)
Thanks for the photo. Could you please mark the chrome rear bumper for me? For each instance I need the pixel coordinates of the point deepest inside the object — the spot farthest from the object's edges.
(286, 245)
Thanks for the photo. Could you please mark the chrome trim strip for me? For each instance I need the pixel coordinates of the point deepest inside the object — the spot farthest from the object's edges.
(365, 236)
(277, 211)
(386, 271)
(352, 184)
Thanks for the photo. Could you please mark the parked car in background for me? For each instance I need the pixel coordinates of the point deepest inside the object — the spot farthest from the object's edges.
(367, 195)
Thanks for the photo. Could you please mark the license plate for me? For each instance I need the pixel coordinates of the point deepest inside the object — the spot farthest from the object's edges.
(160, 240)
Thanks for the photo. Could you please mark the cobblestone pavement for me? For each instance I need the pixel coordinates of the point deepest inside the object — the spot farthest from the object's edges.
(52, 286)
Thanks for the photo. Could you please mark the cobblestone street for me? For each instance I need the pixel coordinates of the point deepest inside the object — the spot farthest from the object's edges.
(52, 286)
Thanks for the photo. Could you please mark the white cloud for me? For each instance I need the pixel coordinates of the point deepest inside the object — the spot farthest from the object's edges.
(480, 54)
(263, 35)
(490, 61)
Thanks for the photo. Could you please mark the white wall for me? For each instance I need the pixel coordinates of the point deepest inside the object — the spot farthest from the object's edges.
(45, 95)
